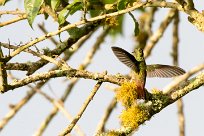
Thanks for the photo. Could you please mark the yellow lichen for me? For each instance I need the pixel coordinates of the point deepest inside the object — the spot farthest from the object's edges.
(112, 133)
(111, 21)
(133, 116)
(127, 94)
(156, 91)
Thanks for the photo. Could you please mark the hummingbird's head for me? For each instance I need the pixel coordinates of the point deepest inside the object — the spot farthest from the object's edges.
(138, 53)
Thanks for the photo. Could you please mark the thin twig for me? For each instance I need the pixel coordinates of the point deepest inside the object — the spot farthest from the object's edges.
(83, 108)
(60, 106)
(175, 54)
(145, 28)
(15, 108)
(23, 65)
(31, 93)
(86, 30)
(91, 53)
(36, 65)
(159, 33)
(13, 20)
(175, 39)
(50, 59)
(182, 78)
(67, 27)
(84, 9)
(101, 125)
(194, 14)
(150, 20)
(12, 12)
(181, 117)
(72, 83)
(69, 72)
(44, 124)
(42, 28)
(3, 73)
(45, 57)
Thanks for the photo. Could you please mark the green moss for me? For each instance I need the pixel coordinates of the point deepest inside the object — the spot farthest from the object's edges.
(159, 100)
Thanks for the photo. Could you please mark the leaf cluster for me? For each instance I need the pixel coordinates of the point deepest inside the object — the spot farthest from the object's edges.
(60, 10)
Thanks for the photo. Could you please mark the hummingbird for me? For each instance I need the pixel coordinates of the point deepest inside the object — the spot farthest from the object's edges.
(140, 70)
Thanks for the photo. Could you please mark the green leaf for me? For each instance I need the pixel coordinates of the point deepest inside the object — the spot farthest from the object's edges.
(76, 7)
(94, 13)
(118, 29)
(136, 30)
(3, 2)
(121, 4)
(108, 1)
(32, 8)
(69, 9)
(55, 4)
(62, 16)
(74, 32)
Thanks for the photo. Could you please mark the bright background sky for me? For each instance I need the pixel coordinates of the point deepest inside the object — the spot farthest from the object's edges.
(27, 121)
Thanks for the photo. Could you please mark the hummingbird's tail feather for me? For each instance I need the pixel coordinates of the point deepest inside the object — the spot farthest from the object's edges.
(141, 94)
(140, 87)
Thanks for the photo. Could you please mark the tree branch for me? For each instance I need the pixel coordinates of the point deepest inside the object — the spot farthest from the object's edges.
(190, 4)
(13, 12)
(180, 105)
(181, 2)
(195, 18)
(69, 26)
(71, 73)
(73, 82)
(13, 20)
(3, 74)
(101, 125)
(182, 78)
(60, 105)
(160, 101)
(83, 108)
(188, 86)
(159, 33)
(15, 108)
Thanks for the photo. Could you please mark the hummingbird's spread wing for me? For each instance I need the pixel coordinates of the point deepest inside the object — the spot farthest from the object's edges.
(126, 58)
(158, 70)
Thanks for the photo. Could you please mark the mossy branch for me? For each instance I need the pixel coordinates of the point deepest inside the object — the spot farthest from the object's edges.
(157, 102)
(70, 73)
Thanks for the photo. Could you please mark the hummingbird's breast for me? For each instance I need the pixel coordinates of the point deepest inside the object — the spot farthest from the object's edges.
(140, 76)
